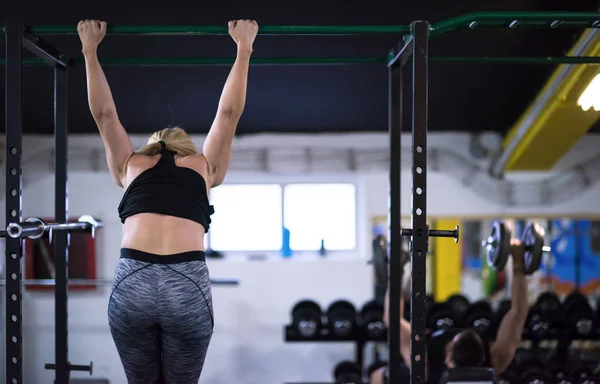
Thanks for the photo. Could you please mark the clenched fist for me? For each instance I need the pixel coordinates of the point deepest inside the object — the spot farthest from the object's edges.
(243, 32)
(91, 33)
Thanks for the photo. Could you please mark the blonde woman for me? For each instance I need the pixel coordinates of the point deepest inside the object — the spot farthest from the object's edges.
(160, 308)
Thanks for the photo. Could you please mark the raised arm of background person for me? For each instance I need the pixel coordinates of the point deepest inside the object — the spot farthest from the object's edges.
(404, 325)
(116, 142)
(217, 146)
(511, 328)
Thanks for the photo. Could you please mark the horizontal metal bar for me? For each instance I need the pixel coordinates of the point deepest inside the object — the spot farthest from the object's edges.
(470, 20)
(35, 227)
(551, 60)
(518, 19)
(43, 50)
(442, 233)
(208, 61)
(222, 30)
(434, 232)
(73, 367)
(102, 282)
(216, 61)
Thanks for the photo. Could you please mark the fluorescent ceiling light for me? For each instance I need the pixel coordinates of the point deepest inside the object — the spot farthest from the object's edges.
(590, 98)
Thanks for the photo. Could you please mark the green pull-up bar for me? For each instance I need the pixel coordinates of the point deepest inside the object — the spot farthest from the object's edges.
(222, 30)
(470, 20)
(207, 61)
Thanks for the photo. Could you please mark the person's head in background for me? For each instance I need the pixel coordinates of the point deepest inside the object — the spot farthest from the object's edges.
(465, 350)
(175, 139)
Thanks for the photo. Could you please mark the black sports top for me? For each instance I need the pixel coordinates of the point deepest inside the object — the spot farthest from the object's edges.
(169, 190)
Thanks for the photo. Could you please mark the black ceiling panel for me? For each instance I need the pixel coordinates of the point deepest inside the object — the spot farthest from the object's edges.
(463, 97)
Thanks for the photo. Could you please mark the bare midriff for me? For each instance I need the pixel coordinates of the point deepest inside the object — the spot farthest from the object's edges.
(162, 234)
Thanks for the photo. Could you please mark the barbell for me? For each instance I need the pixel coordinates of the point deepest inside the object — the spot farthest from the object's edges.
(498, 246)
(35, 228)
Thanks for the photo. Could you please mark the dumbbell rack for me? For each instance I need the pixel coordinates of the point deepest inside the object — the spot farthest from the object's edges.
(325, 336)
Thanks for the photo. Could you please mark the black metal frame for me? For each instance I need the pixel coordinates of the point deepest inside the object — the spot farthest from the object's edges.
(417, 46)
(14, 183)
(61, 238)
(16, 39)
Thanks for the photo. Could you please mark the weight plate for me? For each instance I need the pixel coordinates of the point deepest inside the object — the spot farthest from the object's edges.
(440, 316)
(306, 308)
(583, 374)
(459, 304)
(534, 243)
(498, 246)
(371, 306)
(548, 302)
(347, 372)
(479, 316)
(575, 300)
(341, 307)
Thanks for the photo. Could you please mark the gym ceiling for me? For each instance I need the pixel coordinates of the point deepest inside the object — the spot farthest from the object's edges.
(303, 99)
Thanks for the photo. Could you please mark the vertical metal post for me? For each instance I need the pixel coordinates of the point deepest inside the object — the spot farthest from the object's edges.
(420, 230)
(14, 182)
(61, 238)
(394, 220)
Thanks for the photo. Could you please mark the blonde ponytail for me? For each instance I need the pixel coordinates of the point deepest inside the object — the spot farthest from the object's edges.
(175, 139)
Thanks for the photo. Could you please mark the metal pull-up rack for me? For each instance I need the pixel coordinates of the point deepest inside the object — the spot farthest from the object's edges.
(413, 48)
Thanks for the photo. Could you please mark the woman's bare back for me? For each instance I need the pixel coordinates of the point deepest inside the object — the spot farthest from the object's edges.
(162, 234)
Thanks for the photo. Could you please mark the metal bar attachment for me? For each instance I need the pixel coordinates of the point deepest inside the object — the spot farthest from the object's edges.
(34, 227)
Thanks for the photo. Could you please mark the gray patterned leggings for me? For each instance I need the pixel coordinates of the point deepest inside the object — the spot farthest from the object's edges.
(160, 316)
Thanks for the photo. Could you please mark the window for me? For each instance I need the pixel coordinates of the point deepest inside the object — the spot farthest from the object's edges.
(315, 212)
(246, 218)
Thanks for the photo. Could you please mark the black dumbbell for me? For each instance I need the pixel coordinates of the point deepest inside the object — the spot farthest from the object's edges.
(579, 316)
(498, 246)
(459, 304)
(341, 318)
(480, 317)
(562, 375)
(372, 320)
(347, 372)
(583, 375)
(509, 376)
(307, 318)
(544, 316)
(440, 316)
(533, 371)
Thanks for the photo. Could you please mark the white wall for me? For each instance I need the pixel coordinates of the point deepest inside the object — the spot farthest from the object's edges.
(247, 345)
